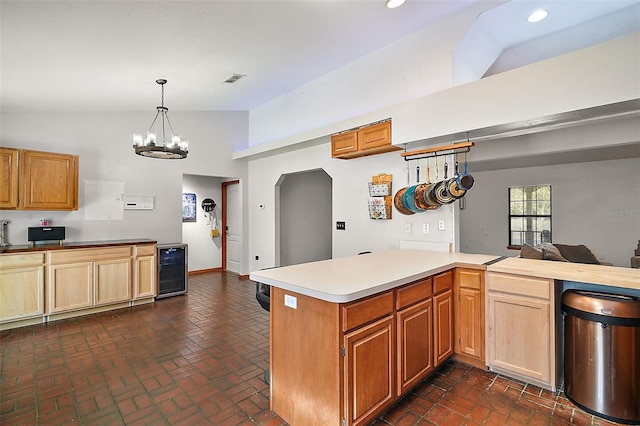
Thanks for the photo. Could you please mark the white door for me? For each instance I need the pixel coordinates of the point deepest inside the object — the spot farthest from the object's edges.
(234, 228)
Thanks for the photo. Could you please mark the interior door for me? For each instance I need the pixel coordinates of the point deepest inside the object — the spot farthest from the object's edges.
(232, 205)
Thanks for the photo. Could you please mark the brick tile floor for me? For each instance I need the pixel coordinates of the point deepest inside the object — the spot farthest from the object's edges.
(199, 359)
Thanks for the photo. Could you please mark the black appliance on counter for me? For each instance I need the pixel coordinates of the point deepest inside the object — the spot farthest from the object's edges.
(172, 269)
(46, 233)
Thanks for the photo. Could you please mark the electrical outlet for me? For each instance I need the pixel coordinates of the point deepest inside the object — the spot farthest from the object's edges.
(441, 225)
(341, 226)
(407, 228)
(425, 228)
(291, 301)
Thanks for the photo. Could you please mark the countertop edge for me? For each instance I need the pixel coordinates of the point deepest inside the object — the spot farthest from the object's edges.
(340, 273)
(74, 245)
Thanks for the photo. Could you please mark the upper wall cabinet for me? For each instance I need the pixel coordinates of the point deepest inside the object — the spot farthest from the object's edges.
(367, 140)
(9, 176)
(36, 180)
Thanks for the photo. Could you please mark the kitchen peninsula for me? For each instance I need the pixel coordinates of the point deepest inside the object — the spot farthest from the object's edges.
(349, 336)
(46, 282)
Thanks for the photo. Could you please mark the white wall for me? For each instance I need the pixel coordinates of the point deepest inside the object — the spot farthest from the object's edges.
(205, 251)
(103, 142)
(350, 194)
(409, 68)
(594, 203)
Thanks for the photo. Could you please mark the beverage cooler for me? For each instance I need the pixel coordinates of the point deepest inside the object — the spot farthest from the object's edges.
(172, 269)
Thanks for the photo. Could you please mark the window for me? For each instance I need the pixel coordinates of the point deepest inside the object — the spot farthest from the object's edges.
(529, 215)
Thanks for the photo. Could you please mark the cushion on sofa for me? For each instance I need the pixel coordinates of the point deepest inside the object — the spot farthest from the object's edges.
(530, 252)
(551, 252)
(577, 253)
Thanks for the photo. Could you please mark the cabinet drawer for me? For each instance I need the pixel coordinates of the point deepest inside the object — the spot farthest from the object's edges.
(522, 286)
(413, 293)
(8, 261)
(58, 257)
(145, 250)
(362, 312)
(470, 278)
(442, 282)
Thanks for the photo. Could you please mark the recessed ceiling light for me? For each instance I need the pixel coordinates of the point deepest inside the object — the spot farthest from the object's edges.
(392, 4)
(537, 16)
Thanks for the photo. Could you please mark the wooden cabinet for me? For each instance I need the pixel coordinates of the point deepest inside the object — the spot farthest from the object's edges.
(356, 358)
(469, 315)
(367, 140)
(414, 328)
(21, 286)
(112, 281)
(83, 278)
(520, 337)
(145, 268)
(9, 176)
(442, 317)
(369, 370)
(36, 180)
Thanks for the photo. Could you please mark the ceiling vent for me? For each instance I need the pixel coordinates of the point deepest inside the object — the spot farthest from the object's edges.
(233, 78)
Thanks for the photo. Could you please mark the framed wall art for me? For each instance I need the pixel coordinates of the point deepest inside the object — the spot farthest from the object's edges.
(188, 207)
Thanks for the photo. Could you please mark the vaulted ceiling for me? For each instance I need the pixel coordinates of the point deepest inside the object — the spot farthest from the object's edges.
(96, 55)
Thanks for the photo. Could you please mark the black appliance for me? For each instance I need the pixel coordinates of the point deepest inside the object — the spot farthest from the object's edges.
(46, 233)
(172, 269)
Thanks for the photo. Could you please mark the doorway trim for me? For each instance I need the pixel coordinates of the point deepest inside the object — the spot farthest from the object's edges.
(224, 220)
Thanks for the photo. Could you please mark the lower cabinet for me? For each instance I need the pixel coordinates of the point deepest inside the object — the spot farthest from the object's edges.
(21, 286)
(443, 317)
(145, 271)
(469, 316)
(346, 363)
(52, 284)
(521, 320)
(83, 278)
(415, 348)
(369, 370)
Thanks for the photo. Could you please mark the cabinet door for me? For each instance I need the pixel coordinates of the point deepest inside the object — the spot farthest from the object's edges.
(344, 143)
(375, 136)
(415, 344)
(49, 181)
(112, 281)
(369, 370)
(470, 317)
(145, 277)
(469, 312)
(442, 326)
(21, 291)
(70, 287)
(9, 176)
(519, 335)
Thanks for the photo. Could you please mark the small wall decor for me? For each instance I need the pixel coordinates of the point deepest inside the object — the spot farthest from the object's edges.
(380, 196)
(188, 207)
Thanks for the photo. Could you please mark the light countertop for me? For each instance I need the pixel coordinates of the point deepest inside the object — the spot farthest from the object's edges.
(350, 278)
(591, 274)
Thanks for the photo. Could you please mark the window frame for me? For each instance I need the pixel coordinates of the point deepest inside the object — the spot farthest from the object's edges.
(534, 217)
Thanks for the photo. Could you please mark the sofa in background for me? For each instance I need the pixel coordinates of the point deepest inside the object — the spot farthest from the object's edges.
(562, 253)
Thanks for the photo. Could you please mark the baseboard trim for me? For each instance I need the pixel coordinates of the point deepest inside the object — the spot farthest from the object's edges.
(204, 271)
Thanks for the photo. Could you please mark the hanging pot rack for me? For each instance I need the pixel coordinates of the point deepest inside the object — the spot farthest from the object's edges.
(438, 151)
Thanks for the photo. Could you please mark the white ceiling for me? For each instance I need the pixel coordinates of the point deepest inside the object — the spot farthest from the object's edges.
(90, 55)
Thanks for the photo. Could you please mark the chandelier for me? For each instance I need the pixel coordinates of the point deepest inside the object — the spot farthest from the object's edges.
(175, 148)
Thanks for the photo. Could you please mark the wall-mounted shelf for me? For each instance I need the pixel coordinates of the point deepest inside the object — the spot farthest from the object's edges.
(438, 151)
